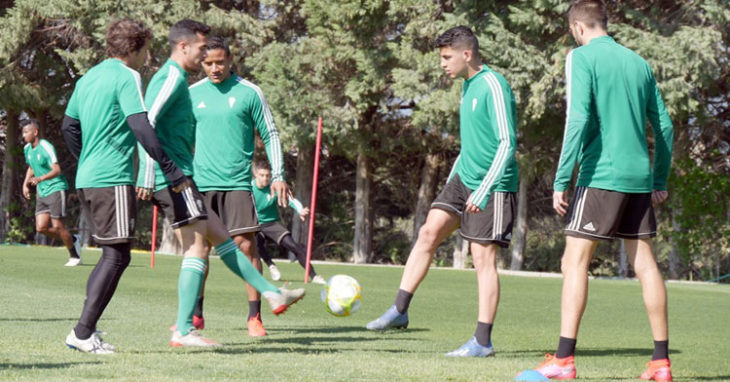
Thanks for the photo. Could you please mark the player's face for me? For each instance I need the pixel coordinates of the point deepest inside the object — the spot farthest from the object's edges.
(137, 59)
(30, 132)
(194, 51)
(263, 177)
(217, 65)
(454, 61)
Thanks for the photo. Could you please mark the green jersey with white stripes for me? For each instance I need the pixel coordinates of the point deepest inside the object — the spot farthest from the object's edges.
(611, 91)
(171, 114)
(40, 159)
(102, 100)
(226, 115)
(267, 207)
(487, 123)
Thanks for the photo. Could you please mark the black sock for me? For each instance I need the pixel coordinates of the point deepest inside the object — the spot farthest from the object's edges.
(254, 309)
(72, 250)
(566, 347)
(199, 307)
(483, 333)
(100, 288)
(402, 301)
(661, 350)
(292, 246)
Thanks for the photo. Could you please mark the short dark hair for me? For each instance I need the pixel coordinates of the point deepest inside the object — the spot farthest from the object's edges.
(218, 42)
(590, 12)
(29, 121)
(460, 37)
(125, 37)
(262, 164)
(187, 30)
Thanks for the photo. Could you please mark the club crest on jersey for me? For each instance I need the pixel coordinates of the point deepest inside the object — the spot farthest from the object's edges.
(201, 105)
(39, 156)
(473, 104)
(231, 101)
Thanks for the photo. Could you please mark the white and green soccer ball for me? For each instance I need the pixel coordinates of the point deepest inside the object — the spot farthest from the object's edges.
(342, 295)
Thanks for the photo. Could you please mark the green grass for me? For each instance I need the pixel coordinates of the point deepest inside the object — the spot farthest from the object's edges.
(41, 300)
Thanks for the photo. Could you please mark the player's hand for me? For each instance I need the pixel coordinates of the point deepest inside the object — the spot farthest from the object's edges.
(472, 208)
(281, 191)
(144, 193)
(304, 213)
(34, 181)
(658, 197)
(560, 202)
(182, 186)
(26, 191)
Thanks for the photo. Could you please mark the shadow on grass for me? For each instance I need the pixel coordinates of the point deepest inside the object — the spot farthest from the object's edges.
(262, 348)
(596, 352)
(342, 329)
(37, 319)
(25, 366)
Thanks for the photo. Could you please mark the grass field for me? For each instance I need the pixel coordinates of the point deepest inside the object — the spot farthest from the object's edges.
(41, 300)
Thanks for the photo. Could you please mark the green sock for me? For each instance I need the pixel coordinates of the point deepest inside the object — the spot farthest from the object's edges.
(237, 262)
(188, 290)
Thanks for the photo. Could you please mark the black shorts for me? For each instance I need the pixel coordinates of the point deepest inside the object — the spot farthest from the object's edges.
(603, 214)
(235, 208)
(491, 225)
(53, 204)
(274, 231)
(110, 211)
(181, 208)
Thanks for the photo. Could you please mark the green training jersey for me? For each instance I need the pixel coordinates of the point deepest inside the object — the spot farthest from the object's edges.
(487, 124)
(226, 115)
(102, 100)
(40, 159)
(267, 207)
(611, 91)
(171, 114)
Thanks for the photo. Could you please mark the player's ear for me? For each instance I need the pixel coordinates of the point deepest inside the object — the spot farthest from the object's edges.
(467, 54)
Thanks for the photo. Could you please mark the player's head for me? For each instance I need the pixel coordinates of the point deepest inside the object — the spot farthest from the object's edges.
(30, 130)
(458, 47)
(217, 60)
(128, 40)
(262, 172)
(587, 18)
(187, 42)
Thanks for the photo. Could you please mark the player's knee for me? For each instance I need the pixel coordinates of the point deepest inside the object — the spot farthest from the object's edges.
(44, 229)
(427, 235)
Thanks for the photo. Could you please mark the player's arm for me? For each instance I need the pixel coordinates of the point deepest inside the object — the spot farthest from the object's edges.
(71, 129)
(26, 189)
(298, 207)
(661, 124)
(264, 122)
(503, 123)
(578, 97)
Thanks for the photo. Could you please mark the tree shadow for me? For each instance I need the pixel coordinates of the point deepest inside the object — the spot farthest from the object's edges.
(262, 348)
(42, 365)
(36, 319)
(341, 329)
(590, 352)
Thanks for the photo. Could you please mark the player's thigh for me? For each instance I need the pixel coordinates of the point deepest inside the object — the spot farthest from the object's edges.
(181, 208)
(493, 224)
(42, 221)
(274, 231)
(246, 242)
(438, 226)
(484, 255)
(112, 211)
(57, 223)
(57, 204)
(638, 220)
(595, 213)
(192, 238)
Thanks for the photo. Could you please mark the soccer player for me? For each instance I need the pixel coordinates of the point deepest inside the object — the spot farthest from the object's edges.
(610, 93)
(44, 172)
(171, 114)
(228, 109)
(480, 193)
(105, 114)
(268, 214)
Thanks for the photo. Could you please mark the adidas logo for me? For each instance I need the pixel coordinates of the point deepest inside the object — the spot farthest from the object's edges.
(589, 227)
(201, 105)
(508, 236)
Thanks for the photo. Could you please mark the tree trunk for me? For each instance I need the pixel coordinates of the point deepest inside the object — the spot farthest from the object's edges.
(623, 261)
(520, 228)
(426, 192)
(10, 170)
(673, 257)
(169, 243)
(84, 229)
(461, 250)
(303, 191)
(363, 216)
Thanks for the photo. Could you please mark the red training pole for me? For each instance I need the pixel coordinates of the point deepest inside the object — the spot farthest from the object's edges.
(313, 202)
(154, 235)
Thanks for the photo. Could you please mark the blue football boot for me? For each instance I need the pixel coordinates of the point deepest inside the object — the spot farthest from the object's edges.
(391, 319)
(472, 348)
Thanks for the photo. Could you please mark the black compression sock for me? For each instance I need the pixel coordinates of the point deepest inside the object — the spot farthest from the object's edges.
(566, 347)
(199, 307)
(661, 350)
(254, 309)
(483, 333)
(402, 301)
(72, 250)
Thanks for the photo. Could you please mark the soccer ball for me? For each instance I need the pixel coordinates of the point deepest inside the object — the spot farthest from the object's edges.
(341, 295)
